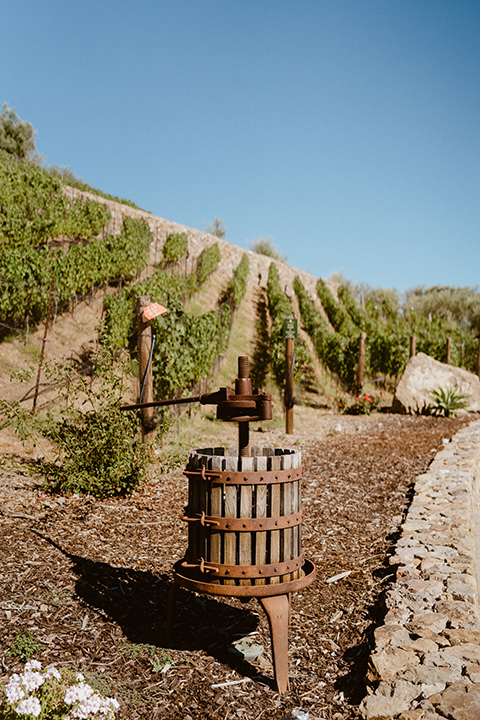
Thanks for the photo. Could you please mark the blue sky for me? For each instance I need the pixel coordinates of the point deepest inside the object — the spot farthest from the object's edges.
(347, 132)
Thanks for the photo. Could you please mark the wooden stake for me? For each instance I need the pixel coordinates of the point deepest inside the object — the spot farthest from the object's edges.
(42, 351)
(449, 350)
(361, 362)
(413, 346)
(144, 339)
(289, 353)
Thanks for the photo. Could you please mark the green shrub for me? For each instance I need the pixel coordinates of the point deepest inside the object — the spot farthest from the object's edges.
(23, 646)
(175, 247)
(207, 262)
(280, 307)
(99, 452)
(237, 286)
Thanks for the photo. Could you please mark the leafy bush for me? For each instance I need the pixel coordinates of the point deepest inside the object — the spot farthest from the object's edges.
(338, 353)
(175, 247)
(207, 262)
(264, 246)
(237, 286)
(338, 317)
(362, 405)
(23, 646)
(99, 452)
(187, 347)
(34, 211)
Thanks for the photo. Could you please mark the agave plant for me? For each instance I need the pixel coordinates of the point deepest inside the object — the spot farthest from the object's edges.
(446, 401)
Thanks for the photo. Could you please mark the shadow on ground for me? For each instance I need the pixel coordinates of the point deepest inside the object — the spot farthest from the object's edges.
(137, 602)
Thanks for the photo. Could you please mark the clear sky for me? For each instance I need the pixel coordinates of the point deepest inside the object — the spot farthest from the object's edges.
(347, 131)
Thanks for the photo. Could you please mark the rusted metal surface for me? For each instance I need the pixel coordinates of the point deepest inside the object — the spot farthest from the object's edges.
(277, 610)
(182, 578)
(244, 534)
(242, 405)
(244, 517)
(244, 572)
(236, 477)
(246, 524)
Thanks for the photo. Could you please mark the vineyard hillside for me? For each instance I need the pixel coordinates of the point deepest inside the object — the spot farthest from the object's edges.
(73, 263)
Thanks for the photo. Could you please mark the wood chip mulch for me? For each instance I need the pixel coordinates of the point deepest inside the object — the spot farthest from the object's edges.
(89, 580)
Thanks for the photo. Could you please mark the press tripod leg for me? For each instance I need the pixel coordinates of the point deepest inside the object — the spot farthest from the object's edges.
(277, 609)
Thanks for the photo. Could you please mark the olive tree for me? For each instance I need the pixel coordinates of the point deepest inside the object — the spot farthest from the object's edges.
(16, 135)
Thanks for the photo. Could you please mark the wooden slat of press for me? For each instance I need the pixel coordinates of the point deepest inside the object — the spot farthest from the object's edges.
(297, 531)
(230, 541)
(287, 509)
(275, 500)
(261, 537)
(193, 505)
(246, 505)
(260, 511)
(216, 495)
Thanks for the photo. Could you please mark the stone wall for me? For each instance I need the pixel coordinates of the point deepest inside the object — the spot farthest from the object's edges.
(197, 241)
(426, 660)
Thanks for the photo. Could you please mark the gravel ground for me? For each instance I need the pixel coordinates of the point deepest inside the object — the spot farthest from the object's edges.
(88, 580)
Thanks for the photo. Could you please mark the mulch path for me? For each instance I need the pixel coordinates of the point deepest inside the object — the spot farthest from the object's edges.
(89, 580)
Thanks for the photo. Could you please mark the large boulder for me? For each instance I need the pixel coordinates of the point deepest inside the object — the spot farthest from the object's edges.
(424, 374)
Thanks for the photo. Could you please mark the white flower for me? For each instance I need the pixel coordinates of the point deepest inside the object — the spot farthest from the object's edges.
(80, 677)
(52, 672)
(32, 680)
(33, 665)
(13, 689)
(29, 706)
(110, 704)
(78, 693)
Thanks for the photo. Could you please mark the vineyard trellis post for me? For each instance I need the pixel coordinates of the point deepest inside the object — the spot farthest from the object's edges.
(449, 350)
(361, 361)
(413, 346)
(42, 351)
(290, 330)
(144, 339)
(478, 358)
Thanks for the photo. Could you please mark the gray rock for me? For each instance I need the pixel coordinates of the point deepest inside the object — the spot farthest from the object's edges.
(246, 648)
(433, 675)
(390, 661)
(472, 672)
(378, 707)
(424, 374)
(458, 702)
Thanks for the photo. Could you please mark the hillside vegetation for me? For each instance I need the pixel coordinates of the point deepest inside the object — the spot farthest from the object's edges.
(54, 252)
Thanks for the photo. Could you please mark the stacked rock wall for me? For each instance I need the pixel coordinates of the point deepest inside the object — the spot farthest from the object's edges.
(426, 661)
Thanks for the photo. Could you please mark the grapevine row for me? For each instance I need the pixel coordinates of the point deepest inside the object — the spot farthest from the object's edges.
(280, 307)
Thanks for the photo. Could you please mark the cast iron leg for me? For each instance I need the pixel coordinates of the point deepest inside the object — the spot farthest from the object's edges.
(277, 609)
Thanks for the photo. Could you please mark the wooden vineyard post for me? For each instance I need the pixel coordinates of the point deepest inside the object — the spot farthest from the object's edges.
(144, 338)
(478, 358)
(290, 330)
(361, 362)
(413, 344)
(449, 350)
(42, 351)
